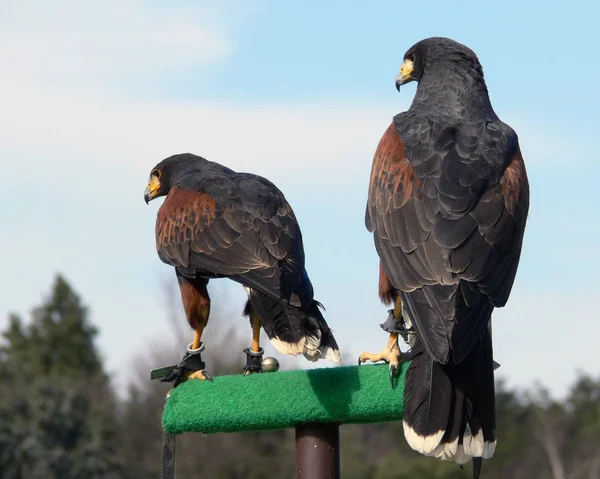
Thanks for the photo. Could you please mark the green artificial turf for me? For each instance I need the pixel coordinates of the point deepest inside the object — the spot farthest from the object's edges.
(350, 394)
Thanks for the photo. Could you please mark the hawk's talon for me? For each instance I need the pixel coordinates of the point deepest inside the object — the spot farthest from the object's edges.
(391, 354)
(393, 371)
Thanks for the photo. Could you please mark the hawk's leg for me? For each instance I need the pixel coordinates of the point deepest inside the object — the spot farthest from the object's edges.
(198, 346)
(255, 353)
(391, 353)
(196, 304)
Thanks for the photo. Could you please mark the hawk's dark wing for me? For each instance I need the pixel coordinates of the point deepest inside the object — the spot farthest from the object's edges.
(447, 207)
(240, 227)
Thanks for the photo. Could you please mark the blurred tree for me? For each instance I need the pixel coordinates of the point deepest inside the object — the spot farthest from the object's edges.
(583, 409)
(60, 419)
(57, 411)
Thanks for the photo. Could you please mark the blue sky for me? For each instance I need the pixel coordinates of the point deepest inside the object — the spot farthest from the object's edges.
(95, 93)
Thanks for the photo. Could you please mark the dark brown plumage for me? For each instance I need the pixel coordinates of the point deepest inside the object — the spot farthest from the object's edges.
(217, 223)
(447, 205)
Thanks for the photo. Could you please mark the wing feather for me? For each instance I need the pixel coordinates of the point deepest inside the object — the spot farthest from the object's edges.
(448, 206)
(249, 234)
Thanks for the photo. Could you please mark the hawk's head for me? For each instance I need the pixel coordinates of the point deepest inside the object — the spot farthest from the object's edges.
(169, 172)
(439, 56)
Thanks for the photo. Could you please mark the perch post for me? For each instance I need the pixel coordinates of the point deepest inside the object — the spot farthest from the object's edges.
(314, 402)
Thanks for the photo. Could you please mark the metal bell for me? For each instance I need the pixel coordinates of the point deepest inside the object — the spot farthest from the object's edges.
(270, 365)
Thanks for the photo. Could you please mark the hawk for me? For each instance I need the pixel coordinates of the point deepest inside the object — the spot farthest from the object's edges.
(447, 205)
(218, 223)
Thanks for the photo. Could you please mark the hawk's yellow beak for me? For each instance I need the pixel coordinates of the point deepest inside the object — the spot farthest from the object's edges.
(404, 75)
(152, 189)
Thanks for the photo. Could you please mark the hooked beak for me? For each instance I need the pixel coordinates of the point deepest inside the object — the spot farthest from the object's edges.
(404, 75)
(151, 190)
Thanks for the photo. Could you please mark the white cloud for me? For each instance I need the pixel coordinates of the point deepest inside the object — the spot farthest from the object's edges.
(134, 135)
(68, 42)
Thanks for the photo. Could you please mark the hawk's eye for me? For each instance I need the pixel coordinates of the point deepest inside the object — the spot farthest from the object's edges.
(410, 57)
(156, 173)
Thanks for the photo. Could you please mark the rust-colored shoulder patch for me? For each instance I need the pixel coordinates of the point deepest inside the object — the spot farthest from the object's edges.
(514, 183)
(392, 170)
(182, 214)
(179, 200)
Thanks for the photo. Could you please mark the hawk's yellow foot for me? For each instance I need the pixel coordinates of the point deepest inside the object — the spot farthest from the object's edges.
(391, 354)
(200, 374)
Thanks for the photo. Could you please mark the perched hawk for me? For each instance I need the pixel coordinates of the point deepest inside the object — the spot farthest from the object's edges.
(217, 223)
(447, 206)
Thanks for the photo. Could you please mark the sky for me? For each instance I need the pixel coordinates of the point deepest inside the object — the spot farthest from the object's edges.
(94, 94)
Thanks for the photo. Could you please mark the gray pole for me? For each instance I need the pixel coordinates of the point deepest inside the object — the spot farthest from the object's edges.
(168, 458)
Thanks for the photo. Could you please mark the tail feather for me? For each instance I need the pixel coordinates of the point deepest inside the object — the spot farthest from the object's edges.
(293, 330)
(449, 409)
(426, 404)
(328, 348)
(482, 392)
(450, 447)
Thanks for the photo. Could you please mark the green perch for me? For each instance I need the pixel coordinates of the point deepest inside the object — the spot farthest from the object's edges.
(342, 395)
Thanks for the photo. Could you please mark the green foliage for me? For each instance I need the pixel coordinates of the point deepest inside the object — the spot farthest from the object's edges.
(59, 418)
(58, 342)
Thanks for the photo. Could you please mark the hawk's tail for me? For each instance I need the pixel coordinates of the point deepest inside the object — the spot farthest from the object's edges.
(449, 409)
(294, 330)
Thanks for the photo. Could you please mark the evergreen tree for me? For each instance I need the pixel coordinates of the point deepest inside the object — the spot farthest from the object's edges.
(57, 411)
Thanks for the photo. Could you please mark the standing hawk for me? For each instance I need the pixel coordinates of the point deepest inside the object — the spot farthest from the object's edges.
(217, 223)
(447, 206)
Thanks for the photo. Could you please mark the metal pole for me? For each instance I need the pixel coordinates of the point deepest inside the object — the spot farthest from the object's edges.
(317, 451)
(168, 456)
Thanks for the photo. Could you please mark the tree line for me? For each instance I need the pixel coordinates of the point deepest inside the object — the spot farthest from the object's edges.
(60, 418)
